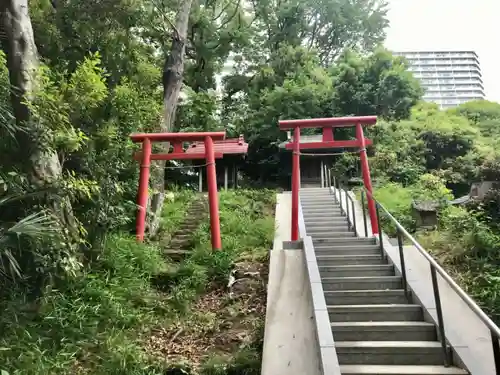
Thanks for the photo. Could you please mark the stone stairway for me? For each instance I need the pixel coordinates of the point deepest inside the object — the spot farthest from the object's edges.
(377, 329)
(179, 245)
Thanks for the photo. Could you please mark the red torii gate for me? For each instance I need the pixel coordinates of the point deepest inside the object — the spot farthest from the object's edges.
(178, 153)
(327, 124)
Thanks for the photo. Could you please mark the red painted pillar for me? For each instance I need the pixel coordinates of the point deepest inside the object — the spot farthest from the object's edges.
(365, 169)
(213, 199)
(142, 196)
(295, 184)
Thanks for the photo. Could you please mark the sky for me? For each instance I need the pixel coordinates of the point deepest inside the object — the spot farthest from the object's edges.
(450, 25)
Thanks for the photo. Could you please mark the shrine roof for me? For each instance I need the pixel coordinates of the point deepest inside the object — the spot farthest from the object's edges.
(231, 146)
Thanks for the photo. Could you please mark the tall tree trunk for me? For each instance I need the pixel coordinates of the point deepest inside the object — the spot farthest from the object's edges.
(40, 163)
(173, 71)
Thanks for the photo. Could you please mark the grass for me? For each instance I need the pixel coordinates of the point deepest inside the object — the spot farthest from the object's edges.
(217, 333)
(112, 320)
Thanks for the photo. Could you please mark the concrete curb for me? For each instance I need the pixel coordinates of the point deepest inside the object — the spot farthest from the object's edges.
(328, 354)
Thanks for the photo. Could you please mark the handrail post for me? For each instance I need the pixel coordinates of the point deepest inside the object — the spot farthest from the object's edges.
(364, 212)
(295, 184)
(403, 266)
(354, 217)
(347, 210)
(340, 200)
(381, 242)
(346, 203)
(496, 351)
(439, 313)
(334, 189)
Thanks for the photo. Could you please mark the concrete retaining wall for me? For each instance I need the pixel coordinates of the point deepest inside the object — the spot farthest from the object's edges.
(290, 343)
(298, 339)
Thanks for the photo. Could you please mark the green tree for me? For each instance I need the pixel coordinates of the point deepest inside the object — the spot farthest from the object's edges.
(67, 31)
(379, 84)
(327, 27)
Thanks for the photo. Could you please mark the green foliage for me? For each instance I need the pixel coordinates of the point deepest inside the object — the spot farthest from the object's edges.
(88, 321)
(246, 362)
(468, 248)
(397, 199)
(377, 85)
(94, 323)
(67, 33)
(198, 112)
(328, 27)
(247, 232)
(174, 211)
(292, 84)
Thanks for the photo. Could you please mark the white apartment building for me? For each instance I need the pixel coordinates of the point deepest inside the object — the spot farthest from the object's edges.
(449, 78)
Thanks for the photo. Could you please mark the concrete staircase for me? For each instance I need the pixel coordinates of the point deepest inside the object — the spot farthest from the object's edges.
(377, 329)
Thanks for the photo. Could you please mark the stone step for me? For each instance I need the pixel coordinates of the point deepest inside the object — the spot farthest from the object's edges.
(309, 198)
(329, 235)
(375, 313)
(304, 199)
(337, 260)
(366, 297)
(389, 352)
(315, 190)
(189, 225)
(326, 221)
(346, 241)
(361, 283)
(384, 331)
(320, 231)
(185, 232)
(357, 270)
(176, 254)
(179, 243)
(322, 227)
(322, 203)
(347, 250)
(196, 212)
(182, 237)
(400, 370)
(311, 216)
(325, 207)
(314, 198)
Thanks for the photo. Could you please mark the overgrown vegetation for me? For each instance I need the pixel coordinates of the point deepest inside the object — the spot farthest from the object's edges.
(117, 318)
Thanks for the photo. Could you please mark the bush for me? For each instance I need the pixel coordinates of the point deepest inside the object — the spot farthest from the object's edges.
(397, 199)
(87, 321)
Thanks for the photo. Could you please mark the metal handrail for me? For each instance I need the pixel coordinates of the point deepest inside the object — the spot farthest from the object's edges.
(469, 301)
(351, 223)
(435, 269)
